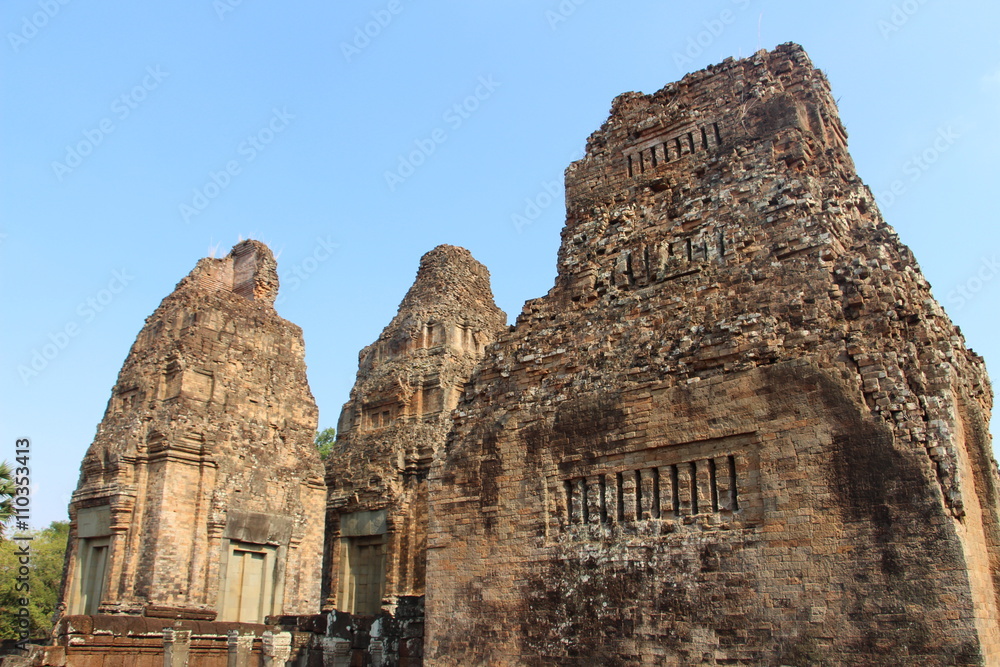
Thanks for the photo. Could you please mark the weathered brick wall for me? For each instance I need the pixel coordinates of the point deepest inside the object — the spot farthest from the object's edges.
(739, 430)
(399, 413)
(207, 438)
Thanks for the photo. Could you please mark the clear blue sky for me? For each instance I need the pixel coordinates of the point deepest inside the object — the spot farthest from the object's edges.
(116, 115)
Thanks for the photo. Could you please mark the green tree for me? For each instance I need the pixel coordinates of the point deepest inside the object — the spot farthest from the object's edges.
(46, 551)
(7, 491)
(325, 440)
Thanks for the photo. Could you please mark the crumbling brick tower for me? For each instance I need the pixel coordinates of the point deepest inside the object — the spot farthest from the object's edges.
(394, 424)
(202, 494)
(738, 430)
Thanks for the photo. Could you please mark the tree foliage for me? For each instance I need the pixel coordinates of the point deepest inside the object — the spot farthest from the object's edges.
(46, 553)
(325, 440)
(7, 491)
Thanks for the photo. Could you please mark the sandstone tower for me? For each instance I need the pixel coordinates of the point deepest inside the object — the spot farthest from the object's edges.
(738, 430)
(202, 495)
(393, 426)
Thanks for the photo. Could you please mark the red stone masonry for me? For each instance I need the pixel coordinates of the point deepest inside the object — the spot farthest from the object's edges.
(738, 430)
(207, 445)
(396, 421)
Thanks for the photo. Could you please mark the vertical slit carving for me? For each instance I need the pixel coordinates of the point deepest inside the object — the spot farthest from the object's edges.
(638, 495)
(602, 490)
(733, 495)
(713, 485)
(694, 487)
(568, 487)
(689, 488)
(656, 494)
(620, 490)
(674, 487)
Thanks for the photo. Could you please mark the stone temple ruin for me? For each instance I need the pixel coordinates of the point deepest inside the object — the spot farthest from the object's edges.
(203, 475)
(737, 431)
(409, 382)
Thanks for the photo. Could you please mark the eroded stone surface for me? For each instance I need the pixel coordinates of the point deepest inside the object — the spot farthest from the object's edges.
(206, 446)
(396, 420)
(738, 430)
